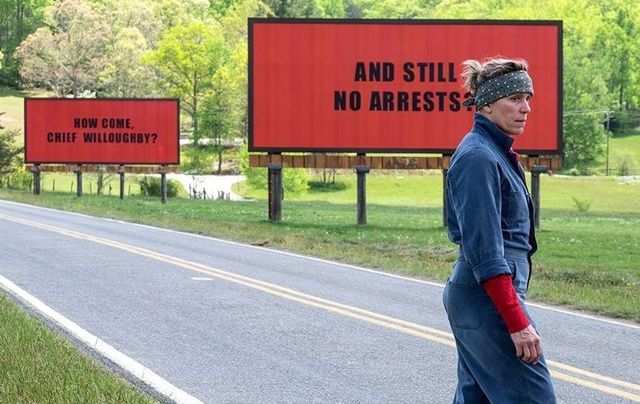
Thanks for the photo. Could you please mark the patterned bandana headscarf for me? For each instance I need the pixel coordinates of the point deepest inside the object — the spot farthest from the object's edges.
(501, 86)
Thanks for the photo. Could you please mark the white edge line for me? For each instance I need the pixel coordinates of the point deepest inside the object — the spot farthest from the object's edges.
(136, 369)
(324, 261)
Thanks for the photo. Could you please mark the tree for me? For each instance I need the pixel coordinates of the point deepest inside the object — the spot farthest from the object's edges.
(124, 74)
(331, 8)
(291, 8)
(9, 152)
(65, 56)
(216, 116)
(186, 61)
(18, 19)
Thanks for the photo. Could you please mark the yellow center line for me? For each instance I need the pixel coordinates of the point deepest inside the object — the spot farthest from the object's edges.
(406, 327)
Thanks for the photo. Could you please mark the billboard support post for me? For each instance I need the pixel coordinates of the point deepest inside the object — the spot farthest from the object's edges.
(362, 171)
(78, 172)
(275, 192)
(535, 191)
(36, 179)
(121, 173)
(163, 184)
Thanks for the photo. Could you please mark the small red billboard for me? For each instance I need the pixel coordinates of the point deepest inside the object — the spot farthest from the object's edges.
(101, 131)
(390, 85)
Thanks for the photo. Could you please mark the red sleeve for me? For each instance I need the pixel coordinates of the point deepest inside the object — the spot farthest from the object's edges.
(503, 296)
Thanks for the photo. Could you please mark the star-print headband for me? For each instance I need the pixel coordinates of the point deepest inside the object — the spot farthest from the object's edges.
(501, 86)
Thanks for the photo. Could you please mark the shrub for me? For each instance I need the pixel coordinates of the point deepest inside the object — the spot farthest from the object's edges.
(295, 180)
(17, 179)
(199, 160)
(582, 205)
(150, 186)
(625, 165)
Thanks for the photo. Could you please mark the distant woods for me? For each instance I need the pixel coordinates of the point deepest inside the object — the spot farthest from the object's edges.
(197, 50)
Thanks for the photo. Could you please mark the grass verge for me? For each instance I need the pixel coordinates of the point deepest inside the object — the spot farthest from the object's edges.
(37, 366)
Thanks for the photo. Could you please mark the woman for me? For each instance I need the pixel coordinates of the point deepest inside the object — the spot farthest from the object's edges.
(490, 216)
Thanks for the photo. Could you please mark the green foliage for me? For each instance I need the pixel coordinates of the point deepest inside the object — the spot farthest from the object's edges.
(123, 74)
(291, 8)
(584, 138)
(63, 55)
(186, 61)
(9, 152)
(199, 160)
(256, 177)
(582, 205)
(18, 19)
(323, 186)
(151, 186)
(295, 180)
(625, 164)
(16, 179)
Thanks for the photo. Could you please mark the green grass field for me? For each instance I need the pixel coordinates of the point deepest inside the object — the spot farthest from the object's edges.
(37, 366)
(12, 104)
(624, 152)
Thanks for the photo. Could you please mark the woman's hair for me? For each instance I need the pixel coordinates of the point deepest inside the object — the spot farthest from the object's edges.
(475, 72)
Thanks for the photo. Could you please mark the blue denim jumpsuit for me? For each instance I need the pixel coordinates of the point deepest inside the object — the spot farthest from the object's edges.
(490, 216)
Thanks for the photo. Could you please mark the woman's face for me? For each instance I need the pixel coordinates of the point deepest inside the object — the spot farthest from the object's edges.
(509, 113)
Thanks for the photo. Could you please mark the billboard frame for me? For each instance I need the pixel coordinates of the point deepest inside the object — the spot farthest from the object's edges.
(559, 151)
(175, 162)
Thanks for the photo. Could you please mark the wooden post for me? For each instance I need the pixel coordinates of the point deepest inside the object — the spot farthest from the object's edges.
(275, 192)
(444, 198)
(362, 171)
(78, 172)
(163, 185)
(121, 173)
(536, 170)
(36, 179)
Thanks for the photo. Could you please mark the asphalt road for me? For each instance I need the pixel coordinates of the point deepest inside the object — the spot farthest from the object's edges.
(227, 322)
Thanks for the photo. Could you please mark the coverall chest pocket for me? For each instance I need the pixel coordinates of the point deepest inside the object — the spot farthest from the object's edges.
(515, 210)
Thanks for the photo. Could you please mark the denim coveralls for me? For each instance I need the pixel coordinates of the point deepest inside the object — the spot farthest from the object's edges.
(490, 216)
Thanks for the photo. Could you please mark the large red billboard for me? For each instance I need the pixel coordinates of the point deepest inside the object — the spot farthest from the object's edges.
(101, 131)
(390, 85)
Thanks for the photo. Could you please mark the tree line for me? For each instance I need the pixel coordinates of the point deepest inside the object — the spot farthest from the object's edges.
(197, 50)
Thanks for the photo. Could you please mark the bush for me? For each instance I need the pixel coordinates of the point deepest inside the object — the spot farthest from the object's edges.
(582, 205)
(17, 179)
(625, 165)
(322, 186)
(294, 180)
(199, 160)
(150, 186)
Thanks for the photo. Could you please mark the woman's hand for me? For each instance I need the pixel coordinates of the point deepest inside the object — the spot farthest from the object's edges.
(527, 343)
